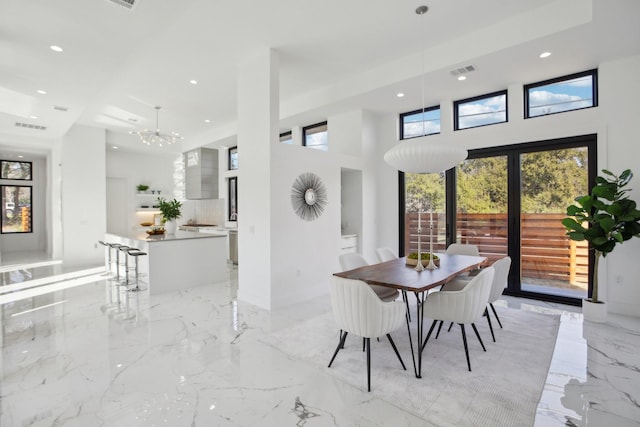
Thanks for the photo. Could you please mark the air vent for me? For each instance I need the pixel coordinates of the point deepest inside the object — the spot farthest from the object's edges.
(28, 126)
(463, 70)
(59, 108)
(124, 3)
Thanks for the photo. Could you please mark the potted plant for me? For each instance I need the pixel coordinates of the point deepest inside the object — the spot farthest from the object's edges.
(604, 218)
(170, 210)
(142, 188)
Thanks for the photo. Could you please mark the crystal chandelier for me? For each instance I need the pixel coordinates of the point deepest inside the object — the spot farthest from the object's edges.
(155, 137)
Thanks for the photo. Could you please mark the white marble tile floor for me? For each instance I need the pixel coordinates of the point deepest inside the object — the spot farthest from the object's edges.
(94, 355)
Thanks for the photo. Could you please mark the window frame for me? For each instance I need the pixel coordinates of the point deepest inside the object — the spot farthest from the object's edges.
(456, 105)
(2, 216)
(289, 134)
(316, 125)
(419, 111)
(230, 152)
(3, 161)
(232, 197)
(594, 91)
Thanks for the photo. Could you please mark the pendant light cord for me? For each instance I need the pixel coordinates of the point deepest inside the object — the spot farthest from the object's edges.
(421, 10)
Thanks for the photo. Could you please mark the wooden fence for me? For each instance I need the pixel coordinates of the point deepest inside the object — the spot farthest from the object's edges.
(547, 253)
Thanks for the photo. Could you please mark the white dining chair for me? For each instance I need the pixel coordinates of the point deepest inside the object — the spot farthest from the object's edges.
(354, 260)
(386, 254)
(500, 277)
(462, 249)
(358, 310)
(463, 307)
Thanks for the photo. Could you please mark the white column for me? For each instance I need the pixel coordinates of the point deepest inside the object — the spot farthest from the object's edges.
(258, 114)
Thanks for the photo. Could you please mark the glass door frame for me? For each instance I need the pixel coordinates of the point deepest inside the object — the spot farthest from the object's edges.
(513, 153)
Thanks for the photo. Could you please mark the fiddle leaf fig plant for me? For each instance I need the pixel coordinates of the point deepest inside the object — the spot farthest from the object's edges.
(605, 217)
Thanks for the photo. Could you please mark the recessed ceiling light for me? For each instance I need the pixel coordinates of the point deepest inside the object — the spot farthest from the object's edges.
(545, 54)
(461, 78)
(55, 48)
(42, 92)
(33, 117)
(207, 121)
(193, 82)
(20, 156)
(115, 147)
(400, 94)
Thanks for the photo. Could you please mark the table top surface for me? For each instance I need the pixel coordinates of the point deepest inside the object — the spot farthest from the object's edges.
(396, 274)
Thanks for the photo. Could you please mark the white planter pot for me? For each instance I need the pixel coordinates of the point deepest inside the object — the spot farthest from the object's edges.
(594, 312)
(170, 227)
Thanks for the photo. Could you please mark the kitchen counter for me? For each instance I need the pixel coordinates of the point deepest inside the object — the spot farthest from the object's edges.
(180, 261)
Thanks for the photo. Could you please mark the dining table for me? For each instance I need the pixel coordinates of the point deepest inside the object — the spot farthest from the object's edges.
(397, 274)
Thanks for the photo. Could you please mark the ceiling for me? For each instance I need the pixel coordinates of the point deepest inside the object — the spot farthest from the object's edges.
(335, 55)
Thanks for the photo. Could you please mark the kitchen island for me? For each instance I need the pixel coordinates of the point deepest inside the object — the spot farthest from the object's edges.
(182, 260)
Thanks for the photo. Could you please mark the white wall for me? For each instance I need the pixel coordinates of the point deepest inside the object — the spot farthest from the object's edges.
(304, 254)
(157, 170)
(83, 195)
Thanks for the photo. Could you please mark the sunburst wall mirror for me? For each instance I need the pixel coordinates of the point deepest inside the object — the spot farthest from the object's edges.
(308, 196)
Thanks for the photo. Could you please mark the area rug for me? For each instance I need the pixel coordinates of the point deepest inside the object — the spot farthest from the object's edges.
(503, 388)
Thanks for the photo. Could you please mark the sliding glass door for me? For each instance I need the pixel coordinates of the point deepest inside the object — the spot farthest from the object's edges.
(510, 200)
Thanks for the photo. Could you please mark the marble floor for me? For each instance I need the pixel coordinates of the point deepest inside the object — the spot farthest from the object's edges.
(78, 351)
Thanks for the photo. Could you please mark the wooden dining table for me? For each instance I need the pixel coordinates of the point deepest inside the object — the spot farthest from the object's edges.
(397, 274)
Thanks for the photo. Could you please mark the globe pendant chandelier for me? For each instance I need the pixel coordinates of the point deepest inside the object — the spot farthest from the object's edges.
(150, 137)
(419, 155)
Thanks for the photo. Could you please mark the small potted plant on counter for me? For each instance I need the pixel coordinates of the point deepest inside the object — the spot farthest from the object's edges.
(604, 217)
(142, 188)
(170, 210)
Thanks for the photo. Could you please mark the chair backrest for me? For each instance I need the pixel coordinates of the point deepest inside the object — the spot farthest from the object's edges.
(500, 276)
(385, 254)
(465, 305)
(351, 260)
(358, 310)
(462, 249)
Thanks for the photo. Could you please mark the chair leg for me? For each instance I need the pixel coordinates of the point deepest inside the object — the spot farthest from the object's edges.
(439, 328)
(396, 350)
(494, 312)
(363, 344)
(368, 340)
(340, 345)
(424, 344)
(450, 326)
(486, 313)
(466, 349)
(473, 325)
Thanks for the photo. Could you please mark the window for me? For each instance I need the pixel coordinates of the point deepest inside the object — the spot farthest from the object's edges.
(573, 92)
(420, 122)
(316, 136)
(233, 158)
(15, 170)
(480, 111)
(233, 199)
(286, 138)
(16, 209)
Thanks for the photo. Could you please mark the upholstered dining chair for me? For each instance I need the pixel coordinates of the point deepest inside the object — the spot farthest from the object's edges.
(386, 254)
(500, 276)
(463, 307)
(462, 249)
(358, 310)
(354, 260)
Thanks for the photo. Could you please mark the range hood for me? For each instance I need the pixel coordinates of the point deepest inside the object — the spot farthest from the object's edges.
(201, 173)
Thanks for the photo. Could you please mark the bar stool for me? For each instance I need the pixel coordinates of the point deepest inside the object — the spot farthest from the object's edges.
(125, 250)
(107, 263)
(117, 247)
(136, 253)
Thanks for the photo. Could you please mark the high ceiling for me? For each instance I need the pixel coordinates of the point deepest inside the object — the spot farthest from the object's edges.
(335, 55)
